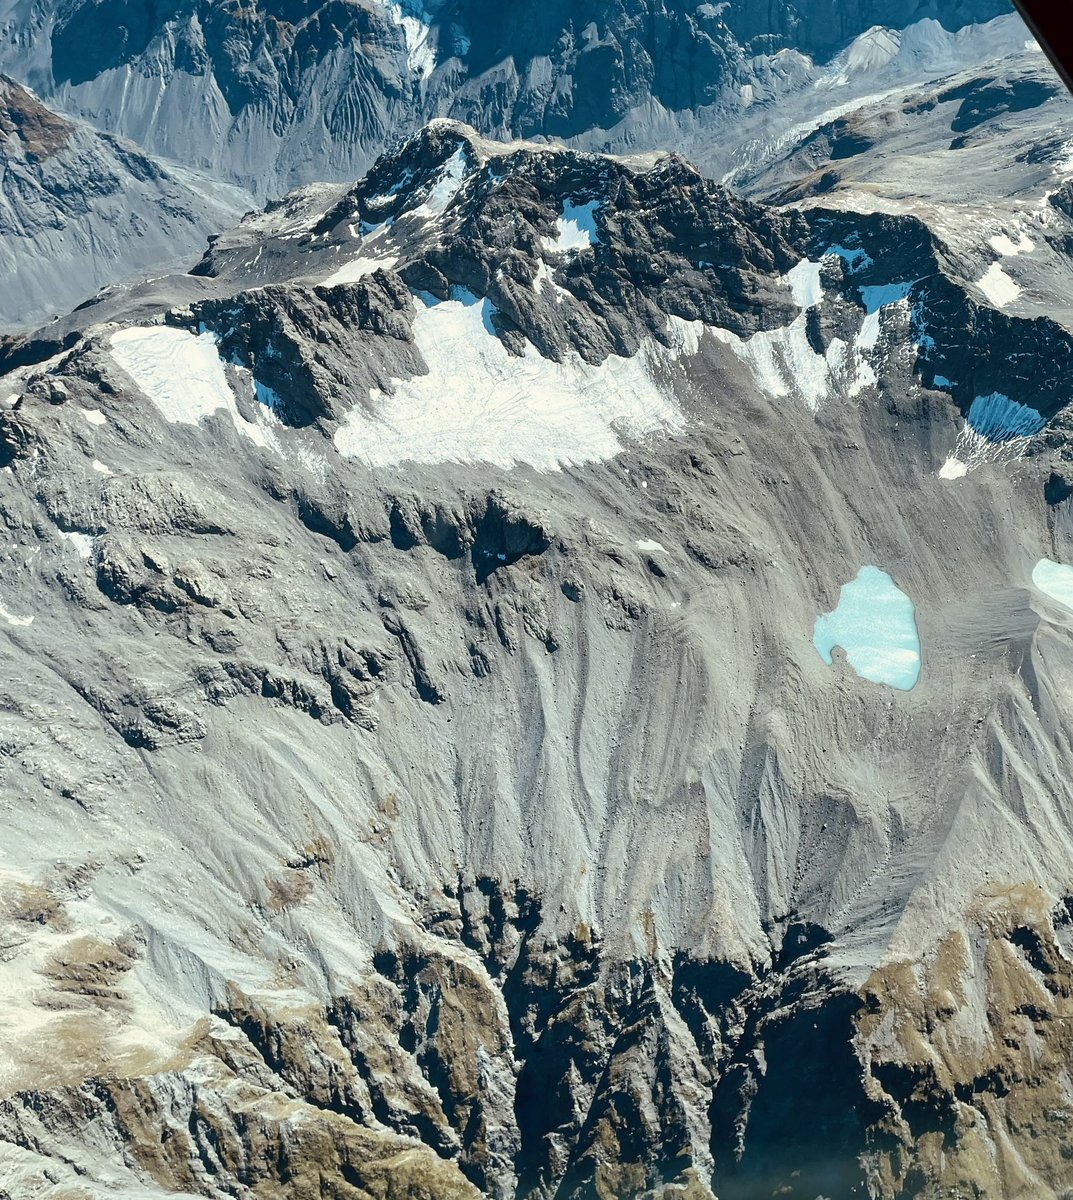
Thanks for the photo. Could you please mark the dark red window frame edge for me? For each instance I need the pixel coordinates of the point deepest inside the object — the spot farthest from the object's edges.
(1051, 23)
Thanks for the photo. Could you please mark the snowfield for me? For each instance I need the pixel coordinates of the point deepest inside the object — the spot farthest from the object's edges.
(478, 403)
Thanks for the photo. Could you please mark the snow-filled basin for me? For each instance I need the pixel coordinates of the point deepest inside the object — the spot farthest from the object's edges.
(875, 623)
(479, 403)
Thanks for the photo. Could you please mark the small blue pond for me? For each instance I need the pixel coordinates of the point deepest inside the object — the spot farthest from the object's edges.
(875, 624)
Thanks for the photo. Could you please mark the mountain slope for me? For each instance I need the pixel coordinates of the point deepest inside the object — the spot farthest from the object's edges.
(423, 789)
(272, 96)
(79, 210)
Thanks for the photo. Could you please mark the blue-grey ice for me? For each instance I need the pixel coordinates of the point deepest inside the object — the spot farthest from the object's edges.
(999, 419)
(856, 258)
(879, 296)
(875, 624)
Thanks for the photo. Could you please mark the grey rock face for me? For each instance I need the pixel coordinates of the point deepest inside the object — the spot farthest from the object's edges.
(275, 96)
(80, 209)
(418, 777)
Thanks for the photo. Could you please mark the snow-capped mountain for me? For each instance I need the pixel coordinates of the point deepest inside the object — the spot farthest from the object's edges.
(532, 674)
(265, 98)
(81, 210)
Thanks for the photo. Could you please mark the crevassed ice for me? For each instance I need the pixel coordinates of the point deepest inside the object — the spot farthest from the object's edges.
(181, 373)
(1054, 580)
(996, 430)
(998, 418)
(875, 623)
(480, 404)
(576, 226)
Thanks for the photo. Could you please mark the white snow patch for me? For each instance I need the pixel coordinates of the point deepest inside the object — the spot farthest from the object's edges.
(544, 276)
(783, 363)
(357, 269)
(804, 283)
(576, 227)
(1009, 248)
(11, 400)
(94, 416)
(101, 468)
(82, 542)
(480, 404)
(181, 373)
(415, 24)
(997, 286)
(953, 468)
(445, 189)
(1055, 580)
(651, 547)
(11, 619)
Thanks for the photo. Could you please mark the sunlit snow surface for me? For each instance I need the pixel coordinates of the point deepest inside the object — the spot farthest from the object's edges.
(181, 372)
(875, 624)
(357, 269)
(1054, 580)
(480, 404)
(997, 286)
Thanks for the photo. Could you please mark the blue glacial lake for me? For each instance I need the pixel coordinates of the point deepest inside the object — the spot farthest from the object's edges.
(875, 624)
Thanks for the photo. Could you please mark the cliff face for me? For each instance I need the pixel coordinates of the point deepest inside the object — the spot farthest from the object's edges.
(421, 772)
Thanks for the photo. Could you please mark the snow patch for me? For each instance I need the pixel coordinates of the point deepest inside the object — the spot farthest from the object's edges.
(415, 23)
(875, 623)
(854, 257)
(446, 187)
(804, 283)
(478, 403)
(784, 364)
(357, 269)
(651, 547)
(93, 415)
(998, 287)
(576, 227)
(11, 619)
(82, 542)
(1009, 248)
(101, 468)
(877, 297)
(182, 374)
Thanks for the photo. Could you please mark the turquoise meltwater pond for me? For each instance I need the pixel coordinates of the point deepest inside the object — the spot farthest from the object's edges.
(875, 623)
